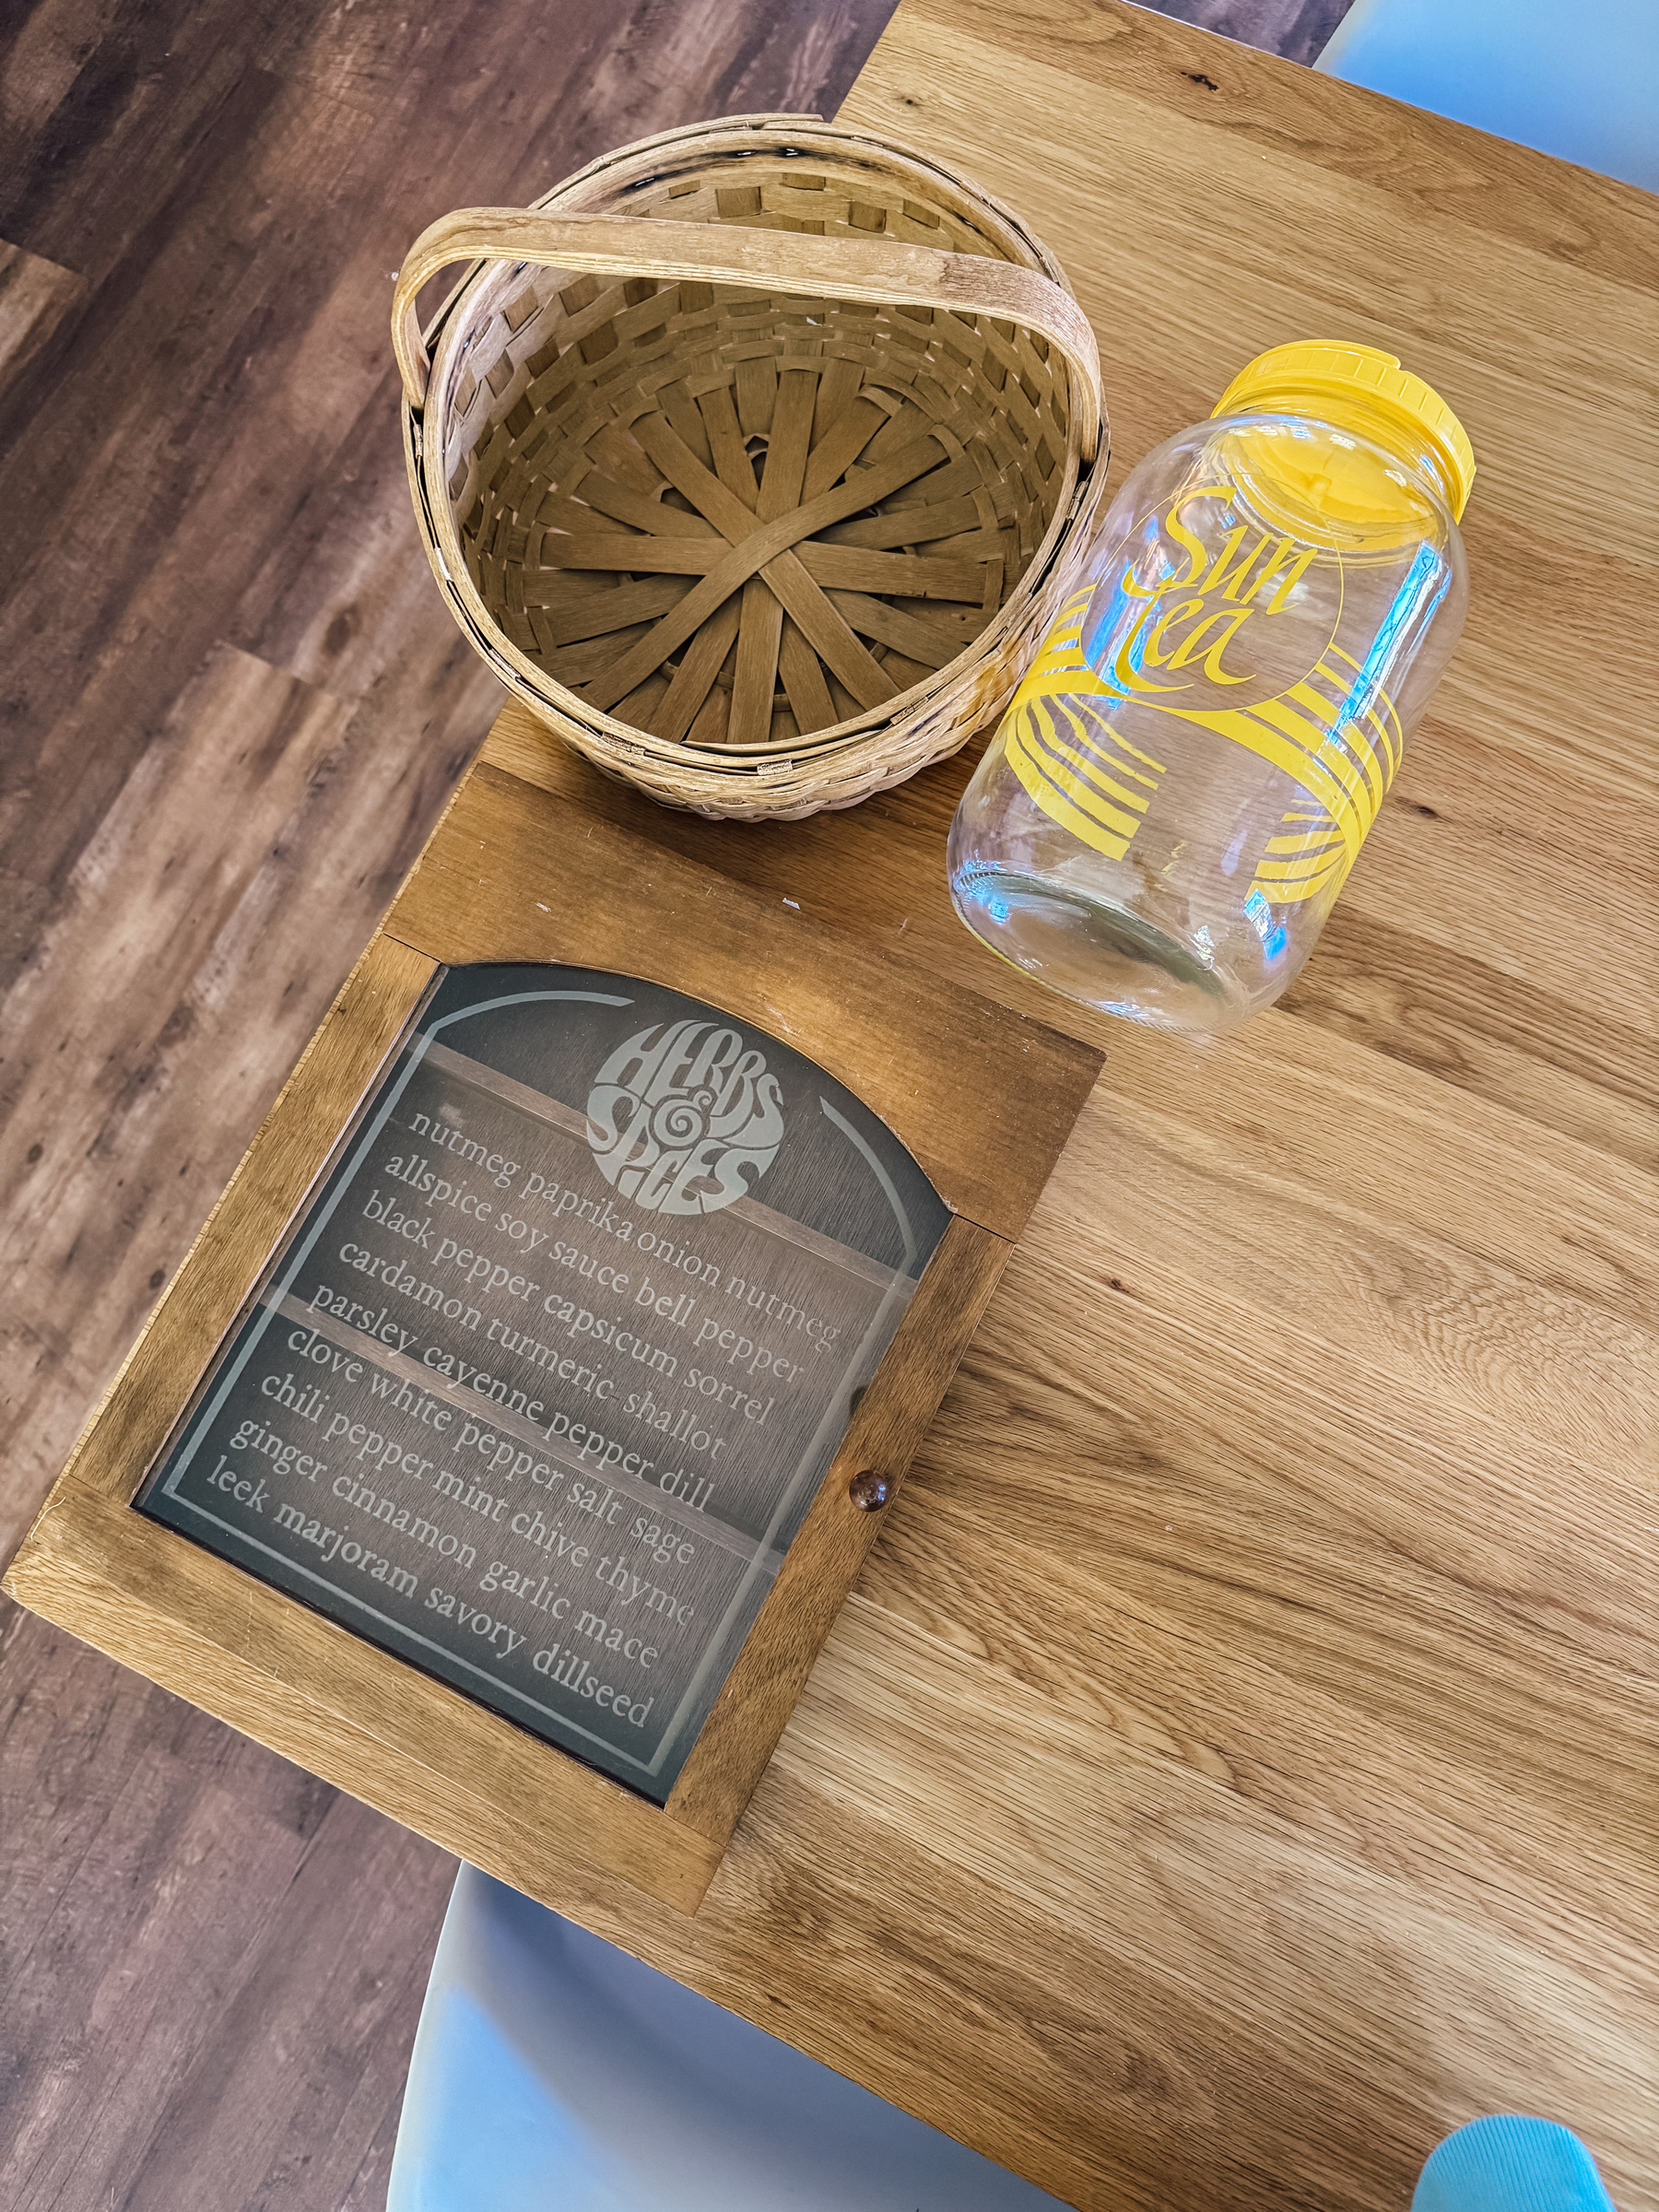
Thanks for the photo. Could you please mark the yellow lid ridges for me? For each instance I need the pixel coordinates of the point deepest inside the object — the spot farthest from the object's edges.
(1366, 374)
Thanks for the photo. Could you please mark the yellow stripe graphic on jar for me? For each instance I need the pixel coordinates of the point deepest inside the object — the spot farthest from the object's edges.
(1345, 762)
(1311, 861)
(1073, 764)
(1083, 772)
(1314, 859)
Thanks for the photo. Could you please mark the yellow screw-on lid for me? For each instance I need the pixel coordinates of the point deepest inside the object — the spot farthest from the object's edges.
(1327, 368)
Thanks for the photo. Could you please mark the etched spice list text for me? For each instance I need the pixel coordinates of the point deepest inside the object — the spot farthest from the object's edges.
(542, 1386)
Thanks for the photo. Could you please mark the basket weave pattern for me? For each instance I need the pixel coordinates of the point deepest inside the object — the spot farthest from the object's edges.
(760, 551)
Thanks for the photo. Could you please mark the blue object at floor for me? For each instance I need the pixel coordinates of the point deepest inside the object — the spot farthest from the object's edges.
(1575, 77)
(1509, 2164)
(553, 2073)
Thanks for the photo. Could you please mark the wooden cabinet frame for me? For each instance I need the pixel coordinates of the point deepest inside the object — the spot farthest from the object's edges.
(984, 1099)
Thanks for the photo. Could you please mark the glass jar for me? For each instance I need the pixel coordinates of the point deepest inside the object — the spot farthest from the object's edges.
(1183, 780)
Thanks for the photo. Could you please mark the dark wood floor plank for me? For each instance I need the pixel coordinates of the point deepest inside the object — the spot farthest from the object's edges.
(310, 2055)
(74, 1731)
(109, 109)
(139, 1015)
(215, 2005)
(1299, 30)
(192, 1868)
(35, 296)
(373, 2176)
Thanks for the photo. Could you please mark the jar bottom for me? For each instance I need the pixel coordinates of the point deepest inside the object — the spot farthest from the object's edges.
(1098, 952)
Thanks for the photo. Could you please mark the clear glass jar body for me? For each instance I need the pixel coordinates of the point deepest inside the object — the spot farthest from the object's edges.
(1178, 790)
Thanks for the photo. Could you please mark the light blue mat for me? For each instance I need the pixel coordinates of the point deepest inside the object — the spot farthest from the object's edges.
(1509, 2164)
(553, 2073)
(1579, 78)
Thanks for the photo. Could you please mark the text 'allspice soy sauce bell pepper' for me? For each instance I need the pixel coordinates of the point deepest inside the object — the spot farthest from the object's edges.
(1175, 797)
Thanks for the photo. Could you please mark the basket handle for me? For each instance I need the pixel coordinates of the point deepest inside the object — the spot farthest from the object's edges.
(881, 272)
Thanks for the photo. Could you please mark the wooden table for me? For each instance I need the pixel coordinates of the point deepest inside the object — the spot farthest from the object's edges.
(1237, 1764)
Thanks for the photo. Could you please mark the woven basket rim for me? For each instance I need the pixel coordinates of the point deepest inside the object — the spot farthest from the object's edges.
(738, 771)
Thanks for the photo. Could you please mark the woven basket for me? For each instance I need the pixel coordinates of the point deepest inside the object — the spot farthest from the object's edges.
(749, 458)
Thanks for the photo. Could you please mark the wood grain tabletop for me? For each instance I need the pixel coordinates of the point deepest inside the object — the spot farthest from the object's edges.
(1237, 1763)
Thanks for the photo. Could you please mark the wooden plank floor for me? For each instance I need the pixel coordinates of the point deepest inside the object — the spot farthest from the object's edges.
(232, 709)
(212, 1963)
